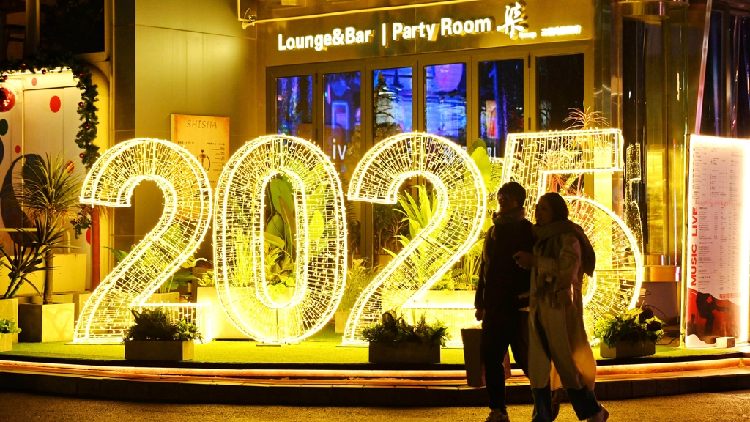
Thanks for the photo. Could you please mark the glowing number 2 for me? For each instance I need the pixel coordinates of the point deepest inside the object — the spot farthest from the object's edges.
(239, 254)
(183, 224)
(455, 226)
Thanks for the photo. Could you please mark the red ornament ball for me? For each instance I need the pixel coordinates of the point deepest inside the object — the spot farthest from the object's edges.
(80, 104)
(80, 155)
(44, 71)
(86, 125)
(23, 64)
(7, 99)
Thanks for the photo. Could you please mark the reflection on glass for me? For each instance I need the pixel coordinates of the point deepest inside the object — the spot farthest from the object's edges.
(500, 102)
(713, 83)
(294, 106)
(445, 101)
(342, 140)
(559, 88)
(392, 102)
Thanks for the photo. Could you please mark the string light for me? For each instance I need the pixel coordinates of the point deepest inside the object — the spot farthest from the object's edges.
(239, 239)
(541, 161)
(453, 229)
(187, 211)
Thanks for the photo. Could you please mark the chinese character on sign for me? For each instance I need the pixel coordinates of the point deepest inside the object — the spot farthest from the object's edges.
(515, 20)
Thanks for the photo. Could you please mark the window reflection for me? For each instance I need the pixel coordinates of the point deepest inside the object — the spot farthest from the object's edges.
(342, 140)
(392, 102)
(445, 101)
(501, 99)
(559, 87)
(294, 106)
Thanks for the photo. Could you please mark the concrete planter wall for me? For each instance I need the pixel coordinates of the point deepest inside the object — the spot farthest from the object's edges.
(45, 323)
(221, 327)
(159, 350)
(404, 352)
(9, 310)
(170, 297)
(627, 349)
(6, 342)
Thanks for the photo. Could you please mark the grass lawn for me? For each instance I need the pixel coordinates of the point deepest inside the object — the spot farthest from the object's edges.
(322, 348)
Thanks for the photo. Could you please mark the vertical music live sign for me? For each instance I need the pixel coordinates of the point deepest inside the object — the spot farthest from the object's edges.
(718, 241)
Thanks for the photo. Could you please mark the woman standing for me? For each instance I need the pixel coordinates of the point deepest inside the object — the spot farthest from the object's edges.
(561, 255)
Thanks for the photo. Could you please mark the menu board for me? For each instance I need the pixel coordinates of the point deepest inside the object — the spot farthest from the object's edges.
(718, 240)
(206, 137)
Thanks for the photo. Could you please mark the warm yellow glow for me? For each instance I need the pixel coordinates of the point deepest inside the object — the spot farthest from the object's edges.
(455, 226)
(187, 211)
(539, 161)
(239, 239)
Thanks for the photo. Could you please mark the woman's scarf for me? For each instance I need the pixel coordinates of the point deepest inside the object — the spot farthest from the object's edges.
(544, 233)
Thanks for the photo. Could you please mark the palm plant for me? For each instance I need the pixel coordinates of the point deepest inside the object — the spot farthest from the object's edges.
(49, 193)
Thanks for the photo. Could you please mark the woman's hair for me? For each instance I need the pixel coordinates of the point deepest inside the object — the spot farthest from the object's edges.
(557, 205)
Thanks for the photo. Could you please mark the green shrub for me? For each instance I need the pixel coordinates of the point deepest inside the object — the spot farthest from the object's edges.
(633, 326)
(394, 329)
(8, 326)
(154, 324)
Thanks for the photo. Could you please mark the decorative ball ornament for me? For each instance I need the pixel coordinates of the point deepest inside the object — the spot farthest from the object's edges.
(7, 99)
(44, 71)
(80, 104)
(86, 125)
(80, 155)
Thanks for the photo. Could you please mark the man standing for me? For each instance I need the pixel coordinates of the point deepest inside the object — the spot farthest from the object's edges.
(502, 297)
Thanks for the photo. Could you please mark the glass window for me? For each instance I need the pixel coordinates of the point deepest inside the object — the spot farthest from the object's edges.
(445, 101)
(559, 88)
(501, 98)
(713, 94)
(392, 102)
(294, 106)
(342, 139)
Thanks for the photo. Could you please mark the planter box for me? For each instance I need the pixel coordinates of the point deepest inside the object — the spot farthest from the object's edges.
(628, 350)
(9, 310)
(403, 353)
(6, 342)
(159, 350)
(171, 297)
(44, 323)
(339, 320)
(221, 326)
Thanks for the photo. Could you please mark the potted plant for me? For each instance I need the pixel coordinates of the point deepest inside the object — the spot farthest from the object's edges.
(155, 337)
(395, 340)
(7, 330)
(628, 334)
(358, 277)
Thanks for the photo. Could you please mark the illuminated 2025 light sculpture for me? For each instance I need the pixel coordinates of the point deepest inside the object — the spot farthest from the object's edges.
(454, 228)
(560, 161)
(182, 226)
(321, 254)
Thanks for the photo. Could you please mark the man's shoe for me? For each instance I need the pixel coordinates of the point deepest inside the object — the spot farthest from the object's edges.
(601, 416)
(497, 416)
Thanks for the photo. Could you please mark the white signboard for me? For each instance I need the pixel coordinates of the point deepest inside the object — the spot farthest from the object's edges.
(718, 240)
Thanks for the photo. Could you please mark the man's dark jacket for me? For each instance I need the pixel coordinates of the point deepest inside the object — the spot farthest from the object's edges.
(501, 280)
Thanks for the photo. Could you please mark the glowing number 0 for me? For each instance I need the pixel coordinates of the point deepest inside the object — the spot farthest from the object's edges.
(239, 239)
(182, 226)
(461, 207)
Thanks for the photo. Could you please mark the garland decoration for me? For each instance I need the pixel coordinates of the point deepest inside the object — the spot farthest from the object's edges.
(44, 62)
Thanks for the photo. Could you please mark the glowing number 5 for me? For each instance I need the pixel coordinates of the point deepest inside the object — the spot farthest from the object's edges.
(182, 226)
(240, 249)
(461, 206)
